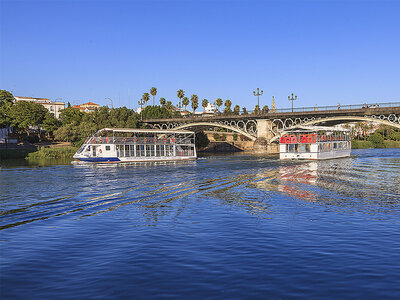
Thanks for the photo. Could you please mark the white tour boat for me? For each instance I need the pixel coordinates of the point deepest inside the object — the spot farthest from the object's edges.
(110, 145)
(315, 142)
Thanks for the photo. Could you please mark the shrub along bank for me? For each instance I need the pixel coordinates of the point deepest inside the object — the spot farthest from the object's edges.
(53, 153)
(375, 140)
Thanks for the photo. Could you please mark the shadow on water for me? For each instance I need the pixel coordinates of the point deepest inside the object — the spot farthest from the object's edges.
(21, 162)
(158, 190)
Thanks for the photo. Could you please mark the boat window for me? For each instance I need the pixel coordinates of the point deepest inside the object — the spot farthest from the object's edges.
(127, 150)
(108, 148)
(132, 150)
(292, 148)
(81, 148)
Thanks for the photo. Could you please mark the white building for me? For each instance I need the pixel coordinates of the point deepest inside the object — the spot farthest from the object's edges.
(210, 108)
(53, 107)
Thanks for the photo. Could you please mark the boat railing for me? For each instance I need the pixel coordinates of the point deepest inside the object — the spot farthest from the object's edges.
(300, 138)
(139, 140)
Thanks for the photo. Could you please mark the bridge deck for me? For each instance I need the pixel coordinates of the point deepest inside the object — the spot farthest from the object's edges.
(271, 116)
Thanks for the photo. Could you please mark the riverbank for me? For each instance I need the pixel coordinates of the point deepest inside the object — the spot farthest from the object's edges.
(53, 153)
(357, 144)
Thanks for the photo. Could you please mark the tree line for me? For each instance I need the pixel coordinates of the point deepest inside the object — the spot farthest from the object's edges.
(184, 101)
(29, 119)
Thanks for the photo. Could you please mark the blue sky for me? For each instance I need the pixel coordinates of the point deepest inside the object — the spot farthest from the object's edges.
(324, 51)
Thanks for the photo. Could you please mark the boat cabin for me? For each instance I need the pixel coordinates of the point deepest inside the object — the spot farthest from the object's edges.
(314, 142)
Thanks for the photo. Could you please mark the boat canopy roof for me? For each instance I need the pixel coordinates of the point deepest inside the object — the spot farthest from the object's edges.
(316, 128)
(136, 130)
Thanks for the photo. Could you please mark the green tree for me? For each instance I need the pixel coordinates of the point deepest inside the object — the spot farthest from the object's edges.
(180, 94)
(236, 110)
(204, 103)
(265, 109)
(169, 105)
(228, 104)
(6, 96)
(218, 102)
(132, 121)
(25, 114)
(67, 133)
(50, 123)
(71, 115)
(163, 102)
(201, 139)
(377, 140)
(145, 98)
(153, 92)
(185, 102)
(68, 104)
(6, 103)
(195, 102)
(395, 136)
(244, 111)
(257, 110)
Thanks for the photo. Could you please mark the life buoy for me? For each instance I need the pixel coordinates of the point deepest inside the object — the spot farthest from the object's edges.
(145, 140)
(124, 140)
(155, 140)
(164, 140)
(293, 139)
(134, 140)
(303, 139)
(100, 150)
(283, 139)
(100, 140)
(309, 138)
(173, 140)
(323, 138)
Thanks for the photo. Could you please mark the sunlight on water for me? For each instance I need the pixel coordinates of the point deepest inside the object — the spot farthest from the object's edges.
(243, 209)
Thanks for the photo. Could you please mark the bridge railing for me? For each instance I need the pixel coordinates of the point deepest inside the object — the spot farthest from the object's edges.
(306, 109)
(336, 107)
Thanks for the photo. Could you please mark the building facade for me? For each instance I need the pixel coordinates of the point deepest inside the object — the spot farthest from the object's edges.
(53, 107)
(87, 107)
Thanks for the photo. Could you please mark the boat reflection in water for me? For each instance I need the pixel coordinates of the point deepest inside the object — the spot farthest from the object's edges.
(310, 181)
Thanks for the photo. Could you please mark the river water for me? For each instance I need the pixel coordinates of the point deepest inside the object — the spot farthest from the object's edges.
(236, 226)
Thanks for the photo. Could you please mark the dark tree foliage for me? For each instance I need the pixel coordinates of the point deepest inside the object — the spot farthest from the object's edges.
(50, 123)
(71, 116)
(6, 103)
(25, 114)
(157, 112)
(201, 139)
(377, 140)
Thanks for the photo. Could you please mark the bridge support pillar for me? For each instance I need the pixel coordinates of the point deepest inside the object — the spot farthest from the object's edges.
(264, 135)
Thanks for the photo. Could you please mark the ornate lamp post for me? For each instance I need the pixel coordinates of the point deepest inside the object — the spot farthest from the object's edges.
(292, 99)
(258, 94)
(141, 102)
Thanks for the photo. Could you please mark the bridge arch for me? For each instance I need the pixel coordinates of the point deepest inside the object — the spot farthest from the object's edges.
(209, 124)
(340, 120)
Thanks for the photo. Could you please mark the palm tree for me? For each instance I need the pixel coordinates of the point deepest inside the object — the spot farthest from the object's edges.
(185, 102)
(153, 92)
(162, 102)
(169, 105)
(204, 103)
(228, 104)
(236, 110)
(195, 102)
(145, 98)
(244, 111)
(219, 102)
(257, 109)
(180, 95)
